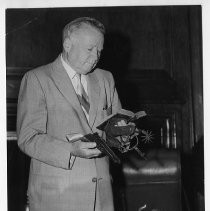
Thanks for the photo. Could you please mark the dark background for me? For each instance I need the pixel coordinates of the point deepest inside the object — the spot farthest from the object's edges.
(155, 55)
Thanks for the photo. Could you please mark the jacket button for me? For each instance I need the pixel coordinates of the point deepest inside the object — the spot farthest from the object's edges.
(94, 179)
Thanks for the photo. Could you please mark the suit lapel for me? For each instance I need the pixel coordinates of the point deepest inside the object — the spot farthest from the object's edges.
(65, 86)
(94, 93)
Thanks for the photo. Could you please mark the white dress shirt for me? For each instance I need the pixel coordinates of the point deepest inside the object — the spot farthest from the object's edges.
(72, 75)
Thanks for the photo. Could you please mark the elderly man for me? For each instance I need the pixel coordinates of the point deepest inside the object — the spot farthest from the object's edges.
(68, 97)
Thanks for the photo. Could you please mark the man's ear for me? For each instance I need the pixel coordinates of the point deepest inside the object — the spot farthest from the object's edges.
(67, 44)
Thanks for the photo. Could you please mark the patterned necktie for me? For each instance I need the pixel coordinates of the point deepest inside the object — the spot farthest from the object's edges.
(82, 95)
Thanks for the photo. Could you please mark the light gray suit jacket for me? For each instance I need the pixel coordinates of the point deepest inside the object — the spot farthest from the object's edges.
(48, 110)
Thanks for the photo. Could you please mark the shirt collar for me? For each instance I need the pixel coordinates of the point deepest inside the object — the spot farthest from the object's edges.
(71, 72)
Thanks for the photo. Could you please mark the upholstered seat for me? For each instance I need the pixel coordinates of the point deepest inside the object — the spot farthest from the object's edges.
(155, 183)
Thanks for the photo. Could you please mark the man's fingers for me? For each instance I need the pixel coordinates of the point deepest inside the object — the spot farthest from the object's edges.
(85, 149)
(88, 145)
(93, 152)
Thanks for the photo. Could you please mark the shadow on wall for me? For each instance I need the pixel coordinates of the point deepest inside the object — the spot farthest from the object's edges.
(116, 54)
(116, 59)
(135, 86)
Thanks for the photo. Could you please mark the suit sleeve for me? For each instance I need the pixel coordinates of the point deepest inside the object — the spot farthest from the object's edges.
(33, 139)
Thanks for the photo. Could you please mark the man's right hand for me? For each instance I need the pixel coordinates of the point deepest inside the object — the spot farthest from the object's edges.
(81, 148)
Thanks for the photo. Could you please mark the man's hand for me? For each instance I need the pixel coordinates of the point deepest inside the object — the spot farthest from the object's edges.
(80, 148)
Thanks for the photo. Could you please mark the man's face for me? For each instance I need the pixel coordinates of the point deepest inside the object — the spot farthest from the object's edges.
(85, 49)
